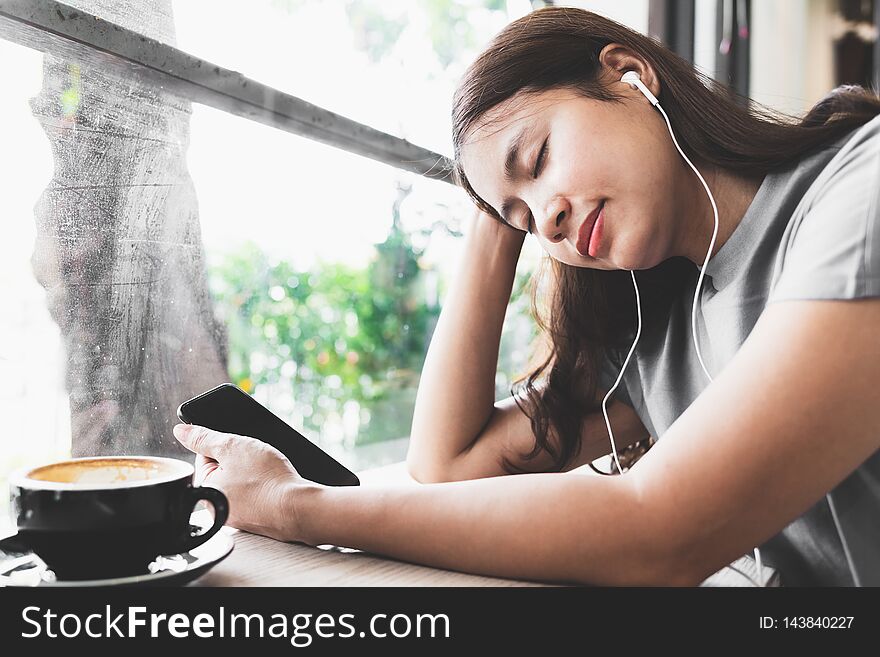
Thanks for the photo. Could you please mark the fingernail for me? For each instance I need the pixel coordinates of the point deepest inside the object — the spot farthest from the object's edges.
(180, 430)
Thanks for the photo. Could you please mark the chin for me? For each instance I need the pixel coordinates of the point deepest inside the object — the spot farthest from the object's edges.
(634, 260)
(605, 264)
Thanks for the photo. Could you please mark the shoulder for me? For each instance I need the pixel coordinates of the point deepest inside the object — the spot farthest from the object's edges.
(831, 246)
(857, 156)
(850, 159)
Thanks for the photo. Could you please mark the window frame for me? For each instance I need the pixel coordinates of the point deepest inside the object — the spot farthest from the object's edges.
(52, 26)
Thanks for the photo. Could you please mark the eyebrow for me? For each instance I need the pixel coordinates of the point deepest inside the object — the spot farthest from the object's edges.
(510, 166)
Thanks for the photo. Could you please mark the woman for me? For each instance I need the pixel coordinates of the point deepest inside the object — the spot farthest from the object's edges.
(780, 450)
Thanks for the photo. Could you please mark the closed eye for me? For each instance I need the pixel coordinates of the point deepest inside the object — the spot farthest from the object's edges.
(539, 165)
(539, 162)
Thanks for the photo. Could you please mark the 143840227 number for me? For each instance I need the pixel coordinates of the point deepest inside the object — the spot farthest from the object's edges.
(823, 622)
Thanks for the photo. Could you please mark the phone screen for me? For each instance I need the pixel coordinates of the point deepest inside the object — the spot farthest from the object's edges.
(230, 409)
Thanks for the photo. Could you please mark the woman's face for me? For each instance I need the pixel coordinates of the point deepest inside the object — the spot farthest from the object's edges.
(577, 154)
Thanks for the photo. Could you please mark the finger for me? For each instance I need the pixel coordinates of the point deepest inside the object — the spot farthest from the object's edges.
(202, 440)
(204, 467)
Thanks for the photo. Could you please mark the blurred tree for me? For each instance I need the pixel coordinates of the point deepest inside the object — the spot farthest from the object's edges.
(378, 25)
(336, 332)
(375, 31)
(450, 28)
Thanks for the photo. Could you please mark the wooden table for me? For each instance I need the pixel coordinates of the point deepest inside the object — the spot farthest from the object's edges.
(260, 561)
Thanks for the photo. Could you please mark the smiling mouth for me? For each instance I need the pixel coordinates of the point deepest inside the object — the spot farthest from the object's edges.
(586, 230)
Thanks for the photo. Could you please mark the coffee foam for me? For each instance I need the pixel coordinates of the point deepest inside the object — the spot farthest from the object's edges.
(104, 471)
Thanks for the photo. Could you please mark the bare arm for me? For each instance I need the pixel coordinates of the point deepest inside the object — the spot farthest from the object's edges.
(543, 526)
(457, 386)
(577, 528)
(458, 430)
(508, 434)
(780, 426)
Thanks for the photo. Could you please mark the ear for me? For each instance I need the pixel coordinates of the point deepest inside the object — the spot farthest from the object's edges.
(616, 59)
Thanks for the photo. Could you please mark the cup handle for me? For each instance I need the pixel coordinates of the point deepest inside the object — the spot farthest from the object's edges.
(221, 513)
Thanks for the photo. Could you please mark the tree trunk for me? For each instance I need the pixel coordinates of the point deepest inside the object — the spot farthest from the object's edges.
(119, 249)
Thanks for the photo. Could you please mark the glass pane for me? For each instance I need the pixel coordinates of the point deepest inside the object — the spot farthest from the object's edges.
(158, 249)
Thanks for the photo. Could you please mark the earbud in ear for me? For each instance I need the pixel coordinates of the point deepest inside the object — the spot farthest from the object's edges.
(632, 79)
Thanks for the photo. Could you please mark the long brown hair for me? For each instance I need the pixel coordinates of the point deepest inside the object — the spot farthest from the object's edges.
(592, 312)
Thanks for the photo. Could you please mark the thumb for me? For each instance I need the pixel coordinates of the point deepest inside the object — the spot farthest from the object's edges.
(204, 441)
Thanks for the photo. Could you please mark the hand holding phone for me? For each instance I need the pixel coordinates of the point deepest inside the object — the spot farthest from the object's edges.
(230, 409)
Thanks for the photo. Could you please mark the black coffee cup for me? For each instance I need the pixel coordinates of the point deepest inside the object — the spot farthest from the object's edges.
(110, 516)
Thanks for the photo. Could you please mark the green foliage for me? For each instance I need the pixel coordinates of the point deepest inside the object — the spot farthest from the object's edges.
(337, 333)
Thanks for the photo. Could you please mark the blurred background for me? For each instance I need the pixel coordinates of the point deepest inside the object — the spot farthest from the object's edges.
(155, 246)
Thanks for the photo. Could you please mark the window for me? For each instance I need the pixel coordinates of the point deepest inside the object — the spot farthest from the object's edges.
(160, 246)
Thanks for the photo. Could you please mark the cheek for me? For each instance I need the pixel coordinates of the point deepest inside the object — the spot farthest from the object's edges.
(583, 171)
(641, 240)
(653, 165)
(640, 160)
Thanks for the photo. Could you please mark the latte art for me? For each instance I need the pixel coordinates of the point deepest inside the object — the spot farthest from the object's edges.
(104, 471)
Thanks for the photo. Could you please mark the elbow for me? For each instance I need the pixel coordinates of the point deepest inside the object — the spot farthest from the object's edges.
(669, 563)
(431, 468)
(656, 572)
(683, 554)
(424, 469)
(429, 474)
(680, 577)
(695, 565)
(646, 572)
(421, 473)
(653, 548)
(677, 563)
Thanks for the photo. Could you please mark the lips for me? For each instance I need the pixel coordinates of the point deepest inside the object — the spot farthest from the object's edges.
(586, 230)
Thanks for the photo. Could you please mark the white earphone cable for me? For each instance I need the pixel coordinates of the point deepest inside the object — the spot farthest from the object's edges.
(632, 79)
(711, 244)
(620, 376)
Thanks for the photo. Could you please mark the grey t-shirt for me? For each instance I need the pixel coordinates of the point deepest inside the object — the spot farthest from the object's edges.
(811, 232)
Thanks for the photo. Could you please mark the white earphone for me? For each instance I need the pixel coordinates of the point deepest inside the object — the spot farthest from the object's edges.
(632, 78)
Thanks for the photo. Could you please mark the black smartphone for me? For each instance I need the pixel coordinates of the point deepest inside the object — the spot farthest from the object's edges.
(230, 409)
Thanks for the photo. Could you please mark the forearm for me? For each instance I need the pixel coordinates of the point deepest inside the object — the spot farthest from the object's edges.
(457, 386)
(548, 527)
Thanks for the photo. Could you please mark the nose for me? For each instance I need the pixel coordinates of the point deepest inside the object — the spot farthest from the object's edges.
(551, 224)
